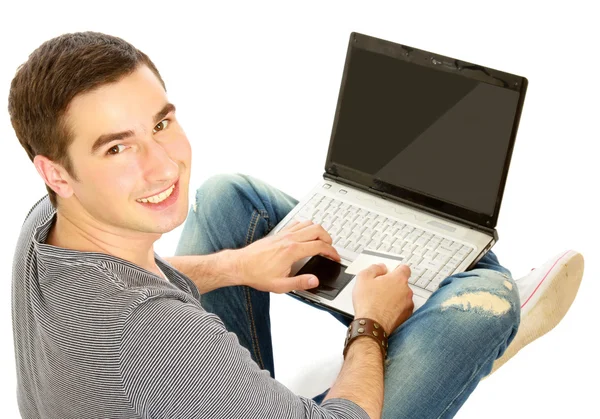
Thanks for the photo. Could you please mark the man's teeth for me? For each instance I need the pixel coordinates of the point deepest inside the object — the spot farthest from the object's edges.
(158, 198)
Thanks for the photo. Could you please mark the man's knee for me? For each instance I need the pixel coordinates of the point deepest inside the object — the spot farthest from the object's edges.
(490, 295)
(216, 189)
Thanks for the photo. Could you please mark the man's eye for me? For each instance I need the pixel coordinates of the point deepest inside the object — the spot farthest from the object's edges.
(161, 125)
(113, 148)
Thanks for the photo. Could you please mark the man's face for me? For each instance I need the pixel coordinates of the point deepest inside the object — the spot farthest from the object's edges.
(150, 155)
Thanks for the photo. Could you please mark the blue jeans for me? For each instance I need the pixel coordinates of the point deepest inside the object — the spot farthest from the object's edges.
(435, 359)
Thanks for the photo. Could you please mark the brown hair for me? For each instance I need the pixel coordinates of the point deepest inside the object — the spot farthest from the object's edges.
(56, 72)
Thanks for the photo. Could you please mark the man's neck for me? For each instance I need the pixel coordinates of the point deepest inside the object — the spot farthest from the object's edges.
(73, 233)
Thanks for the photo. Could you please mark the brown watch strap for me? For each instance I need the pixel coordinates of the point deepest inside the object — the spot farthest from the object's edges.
(366, 327)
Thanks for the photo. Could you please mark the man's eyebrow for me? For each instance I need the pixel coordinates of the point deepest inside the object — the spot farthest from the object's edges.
(168, 108)
(108, 138)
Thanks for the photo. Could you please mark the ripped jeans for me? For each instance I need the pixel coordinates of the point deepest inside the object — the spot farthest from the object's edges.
(435, 359)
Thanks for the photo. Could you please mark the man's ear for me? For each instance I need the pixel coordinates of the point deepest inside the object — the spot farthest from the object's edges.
(55, 176)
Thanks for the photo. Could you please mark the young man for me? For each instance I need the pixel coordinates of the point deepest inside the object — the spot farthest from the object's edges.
(104, 327)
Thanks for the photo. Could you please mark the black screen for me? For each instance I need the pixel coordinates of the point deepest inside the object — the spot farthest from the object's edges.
(434, 132)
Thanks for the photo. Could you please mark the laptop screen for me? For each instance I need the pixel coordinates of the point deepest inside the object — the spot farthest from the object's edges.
(437, 133)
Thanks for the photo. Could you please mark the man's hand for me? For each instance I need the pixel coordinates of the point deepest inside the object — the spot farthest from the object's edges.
(266, 264)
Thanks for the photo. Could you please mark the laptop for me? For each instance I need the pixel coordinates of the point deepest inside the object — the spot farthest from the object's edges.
(415, 171)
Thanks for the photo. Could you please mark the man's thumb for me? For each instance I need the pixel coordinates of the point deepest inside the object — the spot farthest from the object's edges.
(300, 282)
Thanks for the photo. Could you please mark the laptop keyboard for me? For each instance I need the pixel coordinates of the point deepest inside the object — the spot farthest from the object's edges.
(431, 257)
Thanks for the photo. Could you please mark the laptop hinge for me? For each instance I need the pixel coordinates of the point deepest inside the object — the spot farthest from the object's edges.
(469, 224)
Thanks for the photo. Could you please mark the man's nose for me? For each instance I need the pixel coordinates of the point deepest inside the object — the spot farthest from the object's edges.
(158, 164)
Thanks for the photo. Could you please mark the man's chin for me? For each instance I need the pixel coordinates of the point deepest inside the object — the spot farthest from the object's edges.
(163, 225)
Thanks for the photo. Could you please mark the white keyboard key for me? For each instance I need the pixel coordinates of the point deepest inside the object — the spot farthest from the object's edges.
(422, 282)
(453, 263)
(464, 252)
(354, 236)
(405, 254)
(368, 232)
(422, 241)
(399, 225)
(429, 275)
(438, 278)
(352, 209)
(447, 242)
(415, 270)
(329, 218)
(322, 206)
(397, 250)
(414, 260)
(444, 250)
(306, 211)
(456, 246)
(371, 223)
(429, 254)
(338, 239)
(430, 265)
(387, 239)
(346, 231)
(409, 247)
(411, 238)
(431, 245)
(408, 228)
(372, 216)
(442, 259)
(376, 235)
(436, 240)
(402, 235)
(432, 286)
(379, 227)
(389, 223)
(364, 240)
(446, 270)
(360, 220)
(419, 251)
(338, 212)
(384, 247)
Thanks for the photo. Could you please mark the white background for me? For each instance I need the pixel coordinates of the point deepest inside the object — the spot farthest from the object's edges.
(256, 87)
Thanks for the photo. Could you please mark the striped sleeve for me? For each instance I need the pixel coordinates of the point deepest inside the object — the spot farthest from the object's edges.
(178, 361)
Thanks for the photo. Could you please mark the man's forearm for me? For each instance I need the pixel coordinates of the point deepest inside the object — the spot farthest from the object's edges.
(361, 377)
(208, 272)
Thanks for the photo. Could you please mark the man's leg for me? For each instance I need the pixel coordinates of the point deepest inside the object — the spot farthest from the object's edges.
(230, 211)
(443, 349)
(439, 355)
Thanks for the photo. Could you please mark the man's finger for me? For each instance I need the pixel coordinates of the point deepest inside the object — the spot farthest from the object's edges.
(296, 225)
(301, 282)
(315, 247)
(374, 270)
(312, 232)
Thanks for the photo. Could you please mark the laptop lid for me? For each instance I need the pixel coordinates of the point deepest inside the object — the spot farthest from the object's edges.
(425, 129)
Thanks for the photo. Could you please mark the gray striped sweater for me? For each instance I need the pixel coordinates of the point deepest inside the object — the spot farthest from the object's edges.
(96, 336)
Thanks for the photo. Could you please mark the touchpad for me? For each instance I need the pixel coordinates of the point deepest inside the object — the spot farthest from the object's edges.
(332, 276)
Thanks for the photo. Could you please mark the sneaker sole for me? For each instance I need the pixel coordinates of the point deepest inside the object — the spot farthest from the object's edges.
(549, 303)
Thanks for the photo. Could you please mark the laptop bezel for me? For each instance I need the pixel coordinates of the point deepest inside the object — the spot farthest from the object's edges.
(442, 63)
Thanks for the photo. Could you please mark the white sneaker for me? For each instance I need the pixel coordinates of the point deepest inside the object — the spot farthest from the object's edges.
(546, 295)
